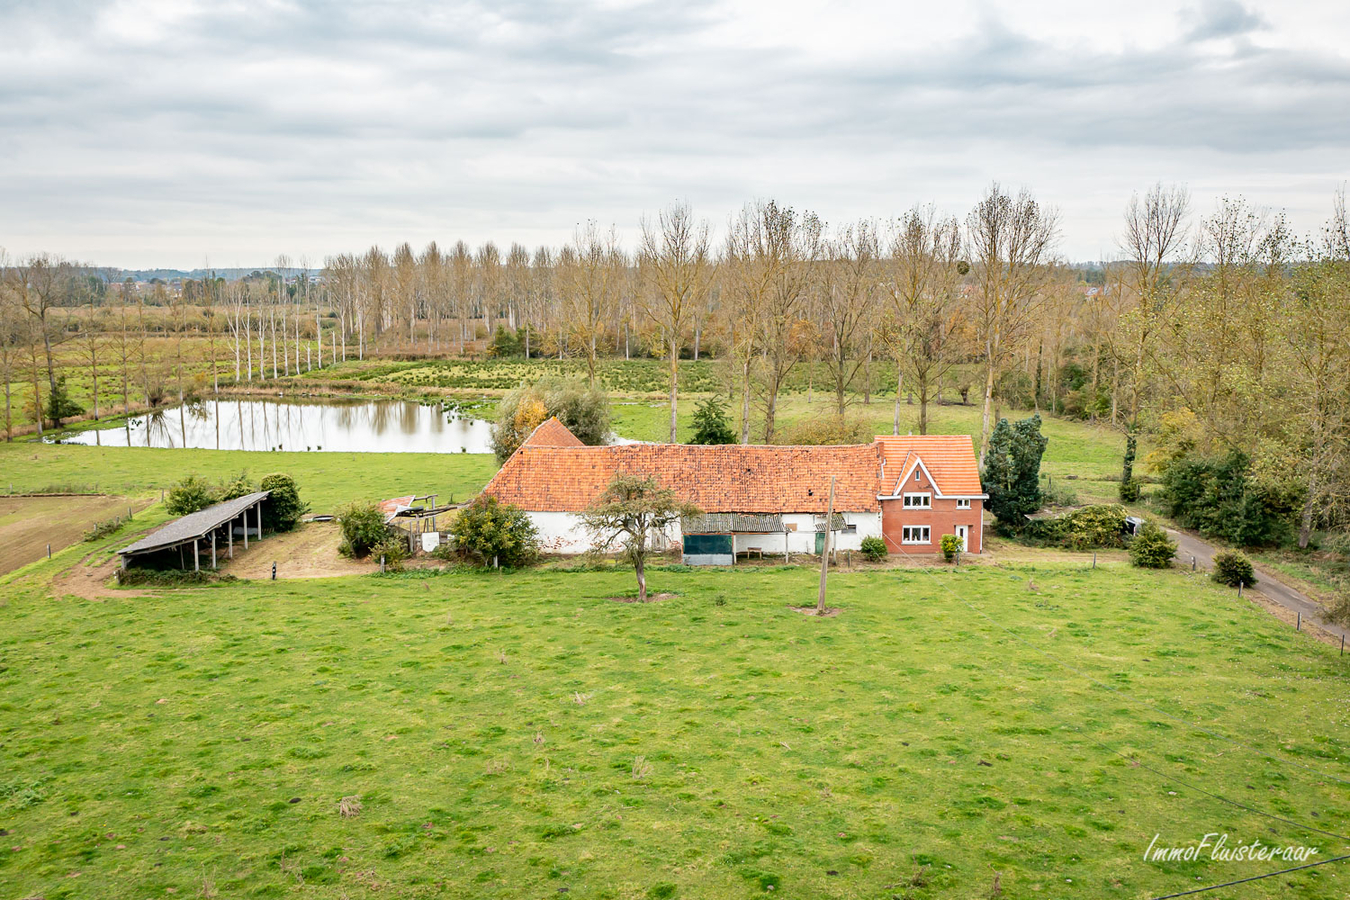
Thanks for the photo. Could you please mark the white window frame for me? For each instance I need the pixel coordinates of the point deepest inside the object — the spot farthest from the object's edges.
(963, 503)
(908, 534)
(920, 501)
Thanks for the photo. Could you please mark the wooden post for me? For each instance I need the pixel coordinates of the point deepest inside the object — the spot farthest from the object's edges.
(229, 537)
(259, 520)
(825, 550)
(245, 517)
(213, 550)
(196, 557)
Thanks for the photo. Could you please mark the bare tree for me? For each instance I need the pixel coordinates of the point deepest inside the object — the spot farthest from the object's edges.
(923, 312)
(588, 277)
(848, 289)
(792, 246)
(1155, 229)
(676, 270)
(1010, 239)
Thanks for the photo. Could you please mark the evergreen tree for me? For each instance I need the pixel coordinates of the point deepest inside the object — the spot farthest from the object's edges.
(1012, 471)
(60, 405)
(711, 425)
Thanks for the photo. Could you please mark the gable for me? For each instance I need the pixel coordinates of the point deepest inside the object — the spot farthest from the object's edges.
(945, 462)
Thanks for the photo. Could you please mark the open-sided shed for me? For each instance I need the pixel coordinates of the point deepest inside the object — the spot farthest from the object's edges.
(196, 529)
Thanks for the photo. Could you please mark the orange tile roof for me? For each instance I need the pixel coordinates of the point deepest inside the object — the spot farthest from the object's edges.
(552, 433)
(948, 458)
(725, 478)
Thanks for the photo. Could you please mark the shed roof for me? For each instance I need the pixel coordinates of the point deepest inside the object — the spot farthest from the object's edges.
(731, 523)
(194, 525)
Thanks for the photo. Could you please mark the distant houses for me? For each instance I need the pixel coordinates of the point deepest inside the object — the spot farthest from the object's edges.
(768, 500)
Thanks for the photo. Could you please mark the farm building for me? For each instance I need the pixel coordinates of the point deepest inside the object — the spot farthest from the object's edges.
(211, 530)
(758, 499)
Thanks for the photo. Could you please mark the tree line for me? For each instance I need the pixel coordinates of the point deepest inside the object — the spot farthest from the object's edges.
(1212, 332)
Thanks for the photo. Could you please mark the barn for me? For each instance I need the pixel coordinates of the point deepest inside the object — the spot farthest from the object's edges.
(758, 499)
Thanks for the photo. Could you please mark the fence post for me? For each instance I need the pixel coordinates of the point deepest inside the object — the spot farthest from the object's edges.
(1239, 590)
(49, 551)
(1192, 563)
(1094, 559)
(1299, 625)
(1342, 645)
(381, 564)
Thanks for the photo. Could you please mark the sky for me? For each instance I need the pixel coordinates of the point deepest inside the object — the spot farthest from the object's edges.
(180, 133)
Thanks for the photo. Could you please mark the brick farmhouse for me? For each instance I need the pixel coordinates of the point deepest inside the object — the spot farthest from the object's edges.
(910, 490)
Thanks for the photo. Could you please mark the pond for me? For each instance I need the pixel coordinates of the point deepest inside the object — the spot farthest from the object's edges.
(381, 426)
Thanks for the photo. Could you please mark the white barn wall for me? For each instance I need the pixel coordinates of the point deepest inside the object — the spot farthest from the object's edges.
(565, 534)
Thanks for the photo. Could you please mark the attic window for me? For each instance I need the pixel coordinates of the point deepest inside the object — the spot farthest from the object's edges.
(916, 475)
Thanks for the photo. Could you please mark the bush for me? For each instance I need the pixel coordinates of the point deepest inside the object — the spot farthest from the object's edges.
(1095, 527)
(393, 549)
(874, 548)
(283, 509)
(951, 545)
(362, 529)
(235, 487)
(1059, 494)
(711, 425)
(486, 530)
(828, 430)
(584, 410)
(1233, 568)
(1151, 548)
(1221, 499)
(190, 495)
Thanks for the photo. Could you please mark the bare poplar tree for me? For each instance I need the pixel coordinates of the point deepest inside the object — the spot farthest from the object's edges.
(923, 313)
(676, 269)
(1010, 240)
(588, 279)
(847, 296)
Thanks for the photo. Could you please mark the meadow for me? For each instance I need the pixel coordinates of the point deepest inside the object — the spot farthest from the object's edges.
(521, 734)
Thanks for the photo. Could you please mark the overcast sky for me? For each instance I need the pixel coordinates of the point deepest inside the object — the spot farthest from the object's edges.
(181, 133)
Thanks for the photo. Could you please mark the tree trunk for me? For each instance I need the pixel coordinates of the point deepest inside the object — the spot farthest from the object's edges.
(745, 400)
(899, 389)
(988, 405)
(640, 565)
(674, 387)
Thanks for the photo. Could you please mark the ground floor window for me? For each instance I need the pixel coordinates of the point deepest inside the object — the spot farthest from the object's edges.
(914, 534)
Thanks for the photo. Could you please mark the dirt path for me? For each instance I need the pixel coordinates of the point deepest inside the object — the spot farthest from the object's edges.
(91, 582)
(311, 551)
(28, 524)
(1284, 601)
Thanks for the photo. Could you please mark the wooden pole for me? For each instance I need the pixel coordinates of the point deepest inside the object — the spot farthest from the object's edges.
(196, 557)
(229, 539)
(825, 554)
(213, 549)
(259, 521)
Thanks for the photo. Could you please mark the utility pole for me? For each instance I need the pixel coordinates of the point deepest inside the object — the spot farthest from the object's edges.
(825, 554)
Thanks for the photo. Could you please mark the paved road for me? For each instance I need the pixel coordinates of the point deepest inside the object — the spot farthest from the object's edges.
(1189, 545)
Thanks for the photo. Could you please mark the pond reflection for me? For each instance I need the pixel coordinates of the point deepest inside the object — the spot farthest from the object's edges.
(383, 426)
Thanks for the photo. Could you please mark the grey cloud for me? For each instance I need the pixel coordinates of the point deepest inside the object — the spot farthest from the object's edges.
(1222, 19)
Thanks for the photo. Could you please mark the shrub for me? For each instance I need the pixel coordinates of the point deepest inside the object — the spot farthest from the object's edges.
(189, 496)
(1221, 499)
(234, 487)
(711, 425)
(1151, 548)
(874, 548)
(393, 548)
(828, 430)
(951, 545)
(1095, 527)
(1233, 568)
(584, 410)
(1059, 494)
(283, 509)
(362, 529)
(487, 529)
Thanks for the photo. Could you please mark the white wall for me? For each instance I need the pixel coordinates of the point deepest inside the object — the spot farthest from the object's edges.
(564, 533)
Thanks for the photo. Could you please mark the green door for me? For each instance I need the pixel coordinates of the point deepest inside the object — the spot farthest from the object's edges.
(820, 542)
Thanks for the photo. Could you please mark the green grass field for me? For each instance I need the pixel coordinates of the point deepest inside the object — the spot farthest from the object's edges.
(516, 734)
(327, 480)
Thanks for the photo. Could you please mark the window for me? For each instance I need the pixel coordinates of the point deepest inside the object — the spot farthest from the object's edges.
(963, 503)
(916, 476)
(914, 534)
(918, 501)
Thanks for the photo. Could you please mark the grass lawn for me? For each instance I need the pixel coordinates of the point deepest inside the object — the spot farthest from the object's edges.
(518, 734)
(327, 480)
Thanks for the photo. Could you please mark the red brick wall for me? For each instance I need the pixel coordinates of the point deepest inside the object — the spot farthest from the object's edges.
(941, 519)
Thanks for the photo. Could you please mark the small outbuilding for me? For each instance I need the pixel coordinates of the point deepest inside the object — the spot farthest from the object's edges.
(213, 528)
